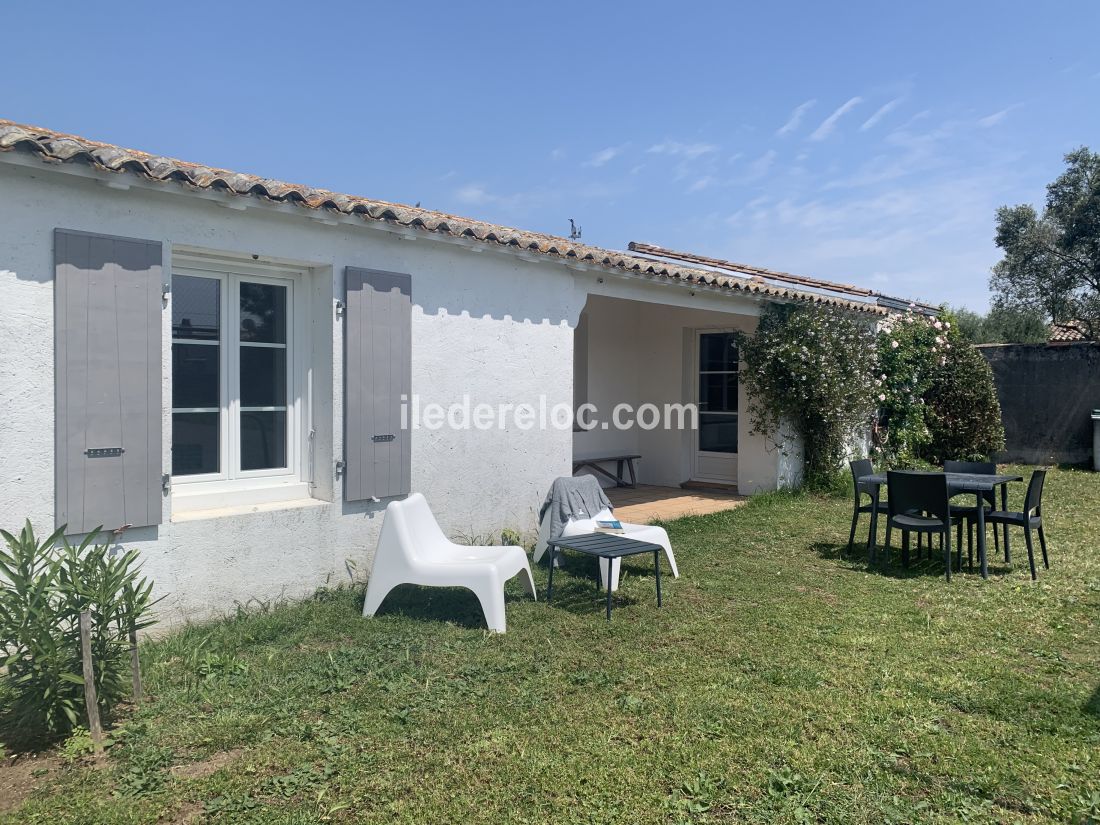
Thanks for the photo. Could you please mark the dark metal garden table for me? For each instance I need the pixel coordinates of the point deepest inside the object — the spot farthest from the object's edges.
(605, 546)
(979, 484)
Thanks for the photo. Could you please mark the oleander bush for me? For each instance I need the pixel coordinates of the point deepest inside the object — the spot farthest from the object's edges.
(44, 586)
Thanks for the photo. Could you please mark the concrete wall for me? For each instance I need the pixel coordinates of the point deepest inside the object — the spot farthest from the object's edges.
(491, 325)
(1047, 394)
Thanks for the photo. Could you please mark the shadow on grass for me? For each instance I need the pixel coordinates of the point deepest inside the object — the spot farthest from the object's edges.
(888, 561)
(455, 605)
(1092, 706)
(577, 587)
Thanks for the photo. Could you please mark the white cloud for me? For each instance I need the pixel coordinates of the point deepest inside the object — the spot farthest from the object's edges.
(882, 112)
(701, 184)
(759, 167)
(829, 124)
(557, 153)
(603, 156)
(690, 151)
(795, 118)
(995, 118)
(473, 193)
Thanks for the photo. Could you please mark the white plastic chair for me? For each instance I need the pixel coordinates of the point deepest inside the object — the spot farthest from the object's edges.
(413, 550)
(640, 532)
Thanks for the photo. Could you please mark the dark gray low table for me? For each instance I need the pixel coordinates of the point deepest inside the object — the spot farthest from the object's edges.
(605, 546)
(979, 484)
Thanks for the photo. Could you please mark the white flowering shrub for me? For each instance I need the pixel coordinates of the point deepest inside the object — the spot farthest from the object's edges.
(814, 367)
(910, 348)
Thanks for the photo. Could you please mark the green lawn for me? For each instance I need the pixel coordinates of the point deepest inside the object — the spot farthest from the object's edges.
(781, 682)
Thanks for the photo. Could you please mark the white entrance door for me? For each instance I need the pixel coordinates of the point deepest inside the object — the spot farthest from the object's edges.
(715, 447)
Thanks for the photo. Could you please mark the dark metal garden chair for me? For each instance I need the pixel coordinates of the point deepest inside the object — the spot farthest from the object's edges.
(968, 515)
(918, 504)
(1031, 518)
(860, 469)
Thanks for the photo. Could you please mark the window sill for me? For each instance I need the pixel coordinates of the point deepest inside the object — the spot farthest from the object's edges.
(190, 502)
(246, 509)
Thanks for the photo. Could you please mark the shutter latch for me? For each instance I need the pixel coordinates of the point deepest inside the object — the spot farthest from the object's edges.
(104, 452)
(165, 482)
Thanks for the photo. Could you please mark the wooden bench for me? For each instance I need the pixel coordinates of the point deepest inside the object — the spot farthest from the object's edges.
(593, 463)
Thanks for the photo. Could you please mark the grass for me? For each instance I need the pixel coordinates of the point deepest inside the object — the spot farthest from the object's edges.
(781, 682)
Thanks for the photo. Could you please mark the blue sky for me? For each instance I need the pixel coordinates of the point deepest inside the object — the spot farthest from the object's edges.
(867, 142)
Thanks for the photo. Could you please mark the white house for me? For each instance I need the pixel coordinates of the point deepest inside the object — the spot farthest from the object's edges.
(223, 362)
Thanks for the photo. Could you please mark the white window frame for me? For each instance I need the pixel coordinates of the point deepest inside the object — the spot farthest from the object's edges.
(232, 487)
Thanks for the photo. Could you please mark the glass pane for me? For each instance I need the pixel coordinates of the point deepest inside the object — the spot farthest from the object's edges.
(196, 307)
(263, 377)
(196, 380)
(263, 440)
(263, 313)
(195, 443)
(718, 433)
(717, 351)
(718, 392)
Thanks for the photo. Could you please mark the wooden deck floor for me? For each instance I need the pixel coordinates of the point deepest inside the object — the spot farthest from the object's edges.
(645, 503)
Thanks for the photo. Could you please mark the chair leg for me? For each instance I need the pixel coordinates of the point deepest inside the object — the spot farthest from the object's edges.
(945, 537)
(491, 596)
(886, 546)
(852, 532)
(904, 548)
(959, 533)
(377, 590)
(997, 540)
(615, 565)
(529, 583)
(872, 532)
(1030, 551)
(1043, 545)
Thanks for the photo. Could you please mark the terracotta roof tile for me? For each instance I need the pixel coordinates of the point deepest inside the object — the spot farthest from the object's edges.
(54, 147)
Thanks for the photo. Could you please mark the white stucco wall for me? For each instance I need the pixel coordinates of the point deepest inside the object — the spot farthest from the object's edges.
(489, 325)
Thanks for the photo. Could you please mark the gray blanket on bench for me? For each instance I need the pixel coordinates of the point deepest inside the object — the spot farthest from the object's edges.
(574, 498)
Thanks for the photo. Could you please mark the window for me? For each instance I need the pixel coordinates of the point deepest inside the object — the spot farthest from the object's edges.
(234, 387)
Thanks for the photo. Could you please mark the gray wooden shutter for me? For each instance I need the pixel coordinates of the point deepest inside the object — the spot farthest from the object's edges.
(377, 373)
(107, 392)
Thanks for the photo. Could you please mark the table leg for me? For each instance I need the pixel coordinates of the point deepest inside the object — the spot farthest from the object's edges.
(1004, 506)
(550, 583)
(981, 536)
(657, 573)
(609, 589)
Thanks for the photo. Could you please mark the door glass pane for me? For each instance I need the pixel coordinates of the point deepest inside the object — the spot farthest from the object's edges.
(718, 392)
(196, 307)
(717, 351)
(718, 433)
(196, 375)
(263, 313)
(195, 443)
(263, 440)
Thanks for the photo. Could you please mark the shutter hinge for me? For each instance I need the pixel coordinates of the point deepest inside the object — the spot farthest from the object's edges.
(340, 467)
(165, 291)
(165, 482)
(339, 309)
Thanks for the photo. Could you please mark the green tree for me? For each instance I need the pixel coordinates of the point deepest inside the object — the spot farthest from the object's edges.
(1051, 261)
(1003, 325)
